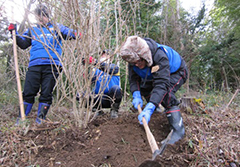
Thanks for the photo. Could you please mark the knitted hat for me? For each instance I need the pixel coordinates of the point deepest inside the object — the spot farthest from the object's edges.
(134, 49)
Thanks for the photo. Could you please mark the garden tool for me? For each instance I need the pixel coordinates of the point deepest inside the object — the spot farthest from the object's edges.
(153, 144)
(17, 72)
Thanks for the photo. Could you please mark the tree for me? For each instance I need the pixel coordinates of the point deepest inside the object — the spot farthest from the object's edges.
(218, 60)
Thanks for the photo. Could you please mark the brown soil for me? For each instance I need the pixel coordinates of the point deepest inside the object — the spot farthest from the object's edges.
(118, 142)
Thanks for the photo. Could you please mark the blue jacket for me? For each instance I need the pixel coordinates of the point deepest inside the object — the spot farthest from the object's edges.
(166, 61)
(105, 77)
(46, 43)
(174, 59)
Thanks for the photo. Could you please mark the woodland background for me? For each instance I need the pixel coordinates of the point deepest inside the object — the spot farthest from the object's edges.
(208, 41)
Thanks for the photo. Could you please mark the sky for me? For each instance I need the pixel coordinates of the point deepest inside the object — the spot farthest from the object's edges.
(193, 6)
(17, 7)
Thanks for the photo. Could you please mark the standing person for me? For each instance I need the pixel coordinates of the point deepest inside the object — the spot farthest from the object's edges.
(45, 40)
(156, 72)
(106, 84)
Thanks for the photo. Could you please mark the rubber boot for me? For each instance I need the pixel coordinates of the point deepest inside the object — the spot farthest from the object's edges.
(114, 110)
(42, 112)
(97, 109)
(176, 122)
(27, 110)
(99, 112)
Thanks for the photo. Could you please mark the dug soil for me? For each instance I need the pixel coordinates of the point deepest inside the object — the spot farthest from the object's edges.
(106, 142)
(120, 142)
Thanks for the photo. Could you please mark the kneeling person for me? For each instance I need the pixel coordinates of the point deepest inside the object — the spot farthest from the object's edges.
(106, 81)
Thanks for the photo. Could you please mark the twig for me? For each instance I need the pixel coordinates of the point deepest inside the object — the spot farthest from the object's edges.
(231, 99)
(43, 129)
(203, 155)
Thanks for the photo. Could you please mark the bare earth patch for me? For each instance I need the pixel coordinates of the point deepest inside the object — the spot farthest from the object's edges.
(211, 140)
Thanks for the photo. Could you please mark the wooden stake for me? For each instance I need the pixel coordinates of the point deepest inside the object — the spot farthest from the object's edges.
(17, 72)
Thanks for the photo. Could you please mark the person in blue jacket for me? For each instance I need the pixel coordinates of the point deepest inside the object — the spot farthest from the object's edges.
(44, 66)
(156, 72)
(106, 85)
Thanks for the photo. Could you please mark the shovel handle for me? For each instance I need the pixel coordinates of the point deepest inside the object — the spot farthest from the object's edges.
(151, 140)
(17, 72)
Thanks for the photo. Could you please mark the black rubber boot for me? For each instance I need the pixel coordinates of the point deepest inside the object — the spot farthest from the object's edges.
(176, 122)
(114, 110)
(42, 112)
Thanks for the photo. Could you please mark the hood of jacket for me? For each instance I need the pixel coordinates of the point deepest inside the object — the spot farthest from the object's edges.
(152, 46)
(136, 48)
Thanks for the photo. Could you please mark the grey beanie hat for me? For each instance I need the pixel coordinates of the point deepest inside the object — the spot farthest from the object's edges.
(134, 49)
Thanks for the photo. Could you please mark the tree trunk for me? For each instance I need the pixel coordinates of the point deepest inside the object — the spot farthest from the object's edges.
(166, 22)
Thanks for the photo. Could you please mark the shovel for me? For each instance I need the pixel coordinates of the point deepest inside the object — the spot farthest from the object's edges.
(22, 112)
(153, 144)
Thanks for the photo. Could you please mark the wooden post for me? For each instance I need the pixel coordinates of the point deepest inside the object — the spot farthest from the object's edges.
(17, 71)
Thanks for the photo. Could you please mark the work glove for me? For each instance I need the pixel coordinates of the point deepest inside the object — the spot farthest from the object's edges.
(137, 99)
(147, 112)
(91, 60)
(12, 27)
(78, 35)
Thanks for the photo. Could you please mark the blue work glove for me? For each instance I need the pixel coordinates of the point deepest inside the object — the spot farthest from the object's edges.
(137, 99)
(147, 112)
